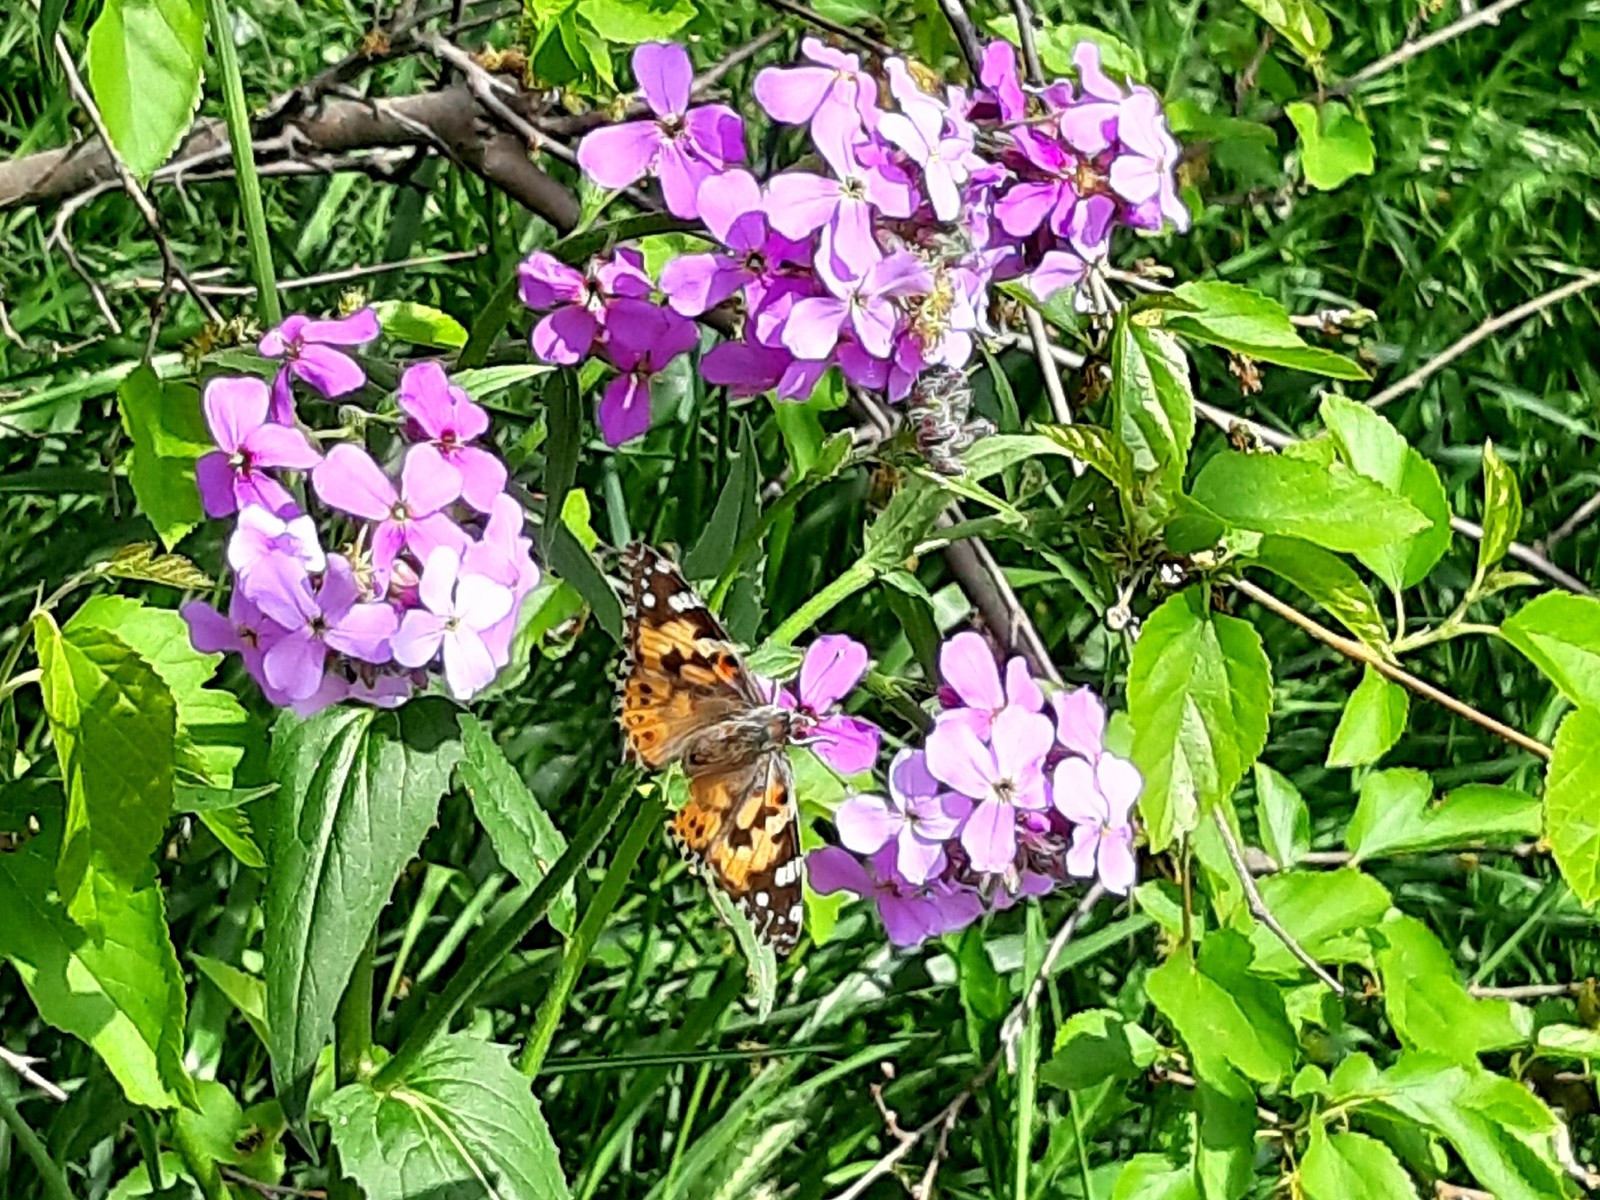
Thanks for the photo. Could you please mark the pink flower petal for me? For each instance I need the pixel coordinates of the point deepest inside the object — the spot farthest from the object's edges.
(866, 824)
(624, 410)
(967, 664)
(348, 479)
(428, 481)
(1120, 783)
(956, 757)
(1076, 795)
(565, 336)
(1085, 848)
(615, 156)
(717, 132)
(425, 397)
(832, 869)
(234, 405)
(331, 372)
(847, 744)
(483, 477)
(280, 446)
(990, 837)
(437, 588)
(833, 665)
(417, 640)
(1119, 870)
(665, 76)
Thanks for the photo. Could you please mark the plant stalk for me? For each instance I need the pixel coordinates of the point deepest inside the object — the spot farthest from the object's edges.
(55, 1180)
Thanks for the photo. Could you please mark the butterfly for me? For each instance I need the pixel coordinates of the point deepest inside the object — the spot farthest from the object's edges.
(688, 698)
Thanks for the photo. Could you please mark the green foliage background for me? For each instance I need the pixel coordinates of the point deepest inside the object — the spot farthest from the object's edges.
(176, 971)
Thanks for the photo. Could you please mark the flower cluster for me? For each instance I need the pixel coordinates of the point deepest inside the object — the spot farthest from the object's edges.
(436, 569)
(1008, 797)
(883, 263)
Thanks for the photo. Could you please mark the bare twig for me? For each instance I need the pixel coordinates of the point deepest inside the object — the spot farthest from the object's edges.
(966, 33)
(1030, 50)
(1488, 15)
(1365, 654)
(1533, 991)
(130, 185)
(1259, 909)
(1484, 331)
(272, 1190)
(1573, 523)
(1262, 863)
(23, 1066)
(323, 279)
(866, 42)
(1016, 1022)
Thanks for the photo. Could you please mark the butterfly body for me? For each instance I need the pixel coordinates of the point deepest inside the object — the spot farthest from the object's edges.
(688, 698)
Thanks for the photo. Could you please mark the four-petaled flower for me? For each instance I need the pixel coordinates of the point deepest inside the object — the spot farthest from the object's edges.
(1098, 798)
(407, 518)
(307, 348)
(832, 667)
(1003, 775)
(684, 146)
(974, 691)
(234, 475)
(315, 619)
(449, 420)
(918, 816)
(457, 611)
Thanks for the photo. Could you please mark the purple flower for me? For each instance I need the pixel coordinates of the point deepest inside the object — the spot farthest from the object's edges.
(968, 669)
(865, 182)
(733, 210)
(749, 370)
(832, 667)
(1003, 775)
(911, 914)
(1145, 173)
(506, 557)
(245, 631)
(919, 129)
(639, 350)
(450, 420)
(1057, 270)
(232, 476)
(583, 305)
(864, 305)
(261, 535)
(457, 610)
(307, 348)
(1090, 123)
(1080, 722)
(833, 89)
(350, 481)
(331, 616)
(999, 75)
(918, 816)
(683, 146)
(1098, 798)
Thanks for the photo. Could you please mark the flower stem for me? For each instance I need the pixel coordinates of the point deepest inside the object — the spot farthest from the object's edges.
(813, 610)
(1027, 1058)
(237, 114)
(486, 954)
(55, 1182)
(645, 822)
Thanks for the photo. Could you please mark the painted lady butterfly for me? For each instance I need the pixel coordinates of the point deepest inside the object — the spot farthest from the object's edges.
(688, 698)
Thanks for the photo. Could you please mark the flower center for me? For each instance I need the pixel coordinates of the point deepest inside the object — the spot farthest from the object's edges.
(452, 624)
(239, 460)
(318, 625)
(1005, 790)
(1088, 179)
(853, 188)
(399, 511)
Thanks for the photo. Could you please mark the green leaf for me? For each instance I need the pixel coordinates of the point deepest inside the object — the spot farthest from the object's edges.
(464, 1122)
(217, 1130)
(564, 420)
(1325, 911)
(1502, 511)
(1224, 1144)
(1089, 444)
(114, 723)
(1429, 1007)
(1246, 322)
(525, 839)
(1152, 1177)
(359, 789)
(1374, 448)
(243, 990)
(122, 992)
(139, 561)
(1503, 1132)
(1572, 803)
(1394, 816)
(1282, 815)
(214, 730)
(163, 422)
(1200, 693)
(1095, 1045)
(1333, 506)
(1233, 1023)
(631, 22)
(418, 325)
(1152, 402)
(1057, 42)
(1373, 719)
(1352, 1166)
(1560, 634)
(145, 61)
(1328, 580)
(1335, 143)
(733, 518)
(1569, 1041)
(1302, 23)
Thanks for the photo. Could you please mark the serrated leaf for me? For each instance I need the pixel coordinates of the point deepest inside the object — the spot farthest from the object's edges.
(1246, 322)
(1333, 507)
(145, 62)
(463, 1123)
(1303, 24)
(1224, 1144)
(121, 993)
(1233, 1023)
(1373, 719)
(1352, 1166)
(139, 561)
(1200, 693)
(420, 325)
(358, 790)
(163, 422)
(212, 724)
(1335, 143)
(1282, 816)
(525, 839)
(1427, 1004)
(1152, 401)
(1095, 1045)
(1325, 911)
(1572, 803)
(1328, 580)
(1374, 448)
(114, 723)
(1394, 816)
(1560, 634)
(630, 22)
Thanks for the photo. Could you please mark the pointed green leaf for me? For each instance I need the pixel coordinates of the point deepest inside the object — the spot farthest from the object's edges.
(1335, 143)
(1325, 911)
(420, 325)
(1246, 322)
(145, 59)
(358, 790)
(163, 422)
(1200, 693)
(1428, 1005)
(1152, 401)
(1560, 634)
(1395, 816)
(1352, 1166)
(1224, 1144)
(1282, 815)
(1328, 580)
(463, 1122)
(1502, 510)
(1572, 803)
(1373, 719)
